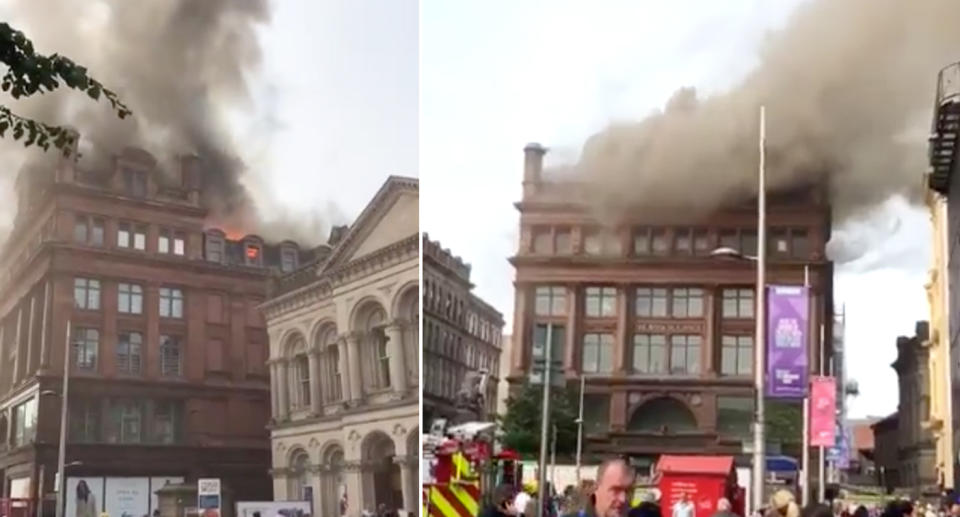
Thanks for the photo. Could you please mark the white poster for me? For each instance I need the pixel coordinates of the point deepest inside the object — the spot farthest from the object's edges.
(84, 497)
(272, 508)
(127, 497)
(157, 484)
(20, 488)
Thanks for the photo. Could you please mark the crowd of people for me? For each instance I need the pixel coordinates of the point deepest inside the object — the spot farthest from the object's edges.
(611, 495)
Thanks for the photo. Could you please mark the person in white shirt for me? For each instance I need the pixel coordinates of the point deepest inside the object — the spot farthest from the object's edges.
(520, 502)
(683, 507)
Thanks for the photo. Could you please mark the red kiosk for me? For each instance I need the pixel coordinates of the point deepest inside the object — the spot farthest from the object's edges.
(704, 479)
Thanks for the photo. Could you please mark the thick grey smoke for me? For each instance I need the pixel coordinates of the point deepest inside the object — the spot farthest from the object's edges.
(178, 64)
(848, 87)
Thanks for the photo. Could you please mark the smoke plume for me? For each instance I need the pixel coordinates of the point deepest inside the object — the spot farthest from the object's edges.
(178, 64)
(848, 87)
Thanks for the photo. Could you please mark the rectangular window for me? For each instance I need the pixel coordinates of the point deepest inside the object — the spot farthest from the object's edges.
(701, 241)
(660, 242)
(129, 346)
(140, 237)
(736, 358)
(734, 416)
(288, 260)
(179, 244)
(24, 422)
(597, 353)
(685, 354)
(687, 303)
(126, 420)
(129, 298)
(563, 241)
(80, 232)
(214, 249)
(649, 353)
(683, 242)
(641, 242)
(252, 254)
(166, 417)
(651, 302)
(86, 294)
(738, 303)
(163, 241)
(86, 345)
(592, 244)
(551, 301)
(135, 183)
(779, 243)
(601, 302)
(303, 380)
(123, 235)
(748, 242)
(171, 303)
(799, 243)
(557, 342)
(96, 231)
(170, 357)
(542, 240)
(84, 421)
(729, 239)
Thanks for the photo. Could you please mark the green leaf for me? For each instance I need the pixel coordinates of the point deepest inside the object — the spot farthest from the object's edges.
(94, 93)
(3, 127)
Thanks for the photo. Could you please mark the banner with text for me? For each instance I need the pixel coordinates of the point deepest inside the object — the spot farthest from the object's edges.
(823, 411)
(788, 308)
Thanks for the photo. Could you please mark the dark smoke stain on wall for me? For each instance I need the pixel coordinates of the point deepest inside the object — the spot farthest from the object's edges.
(179, 64)
(848, 87)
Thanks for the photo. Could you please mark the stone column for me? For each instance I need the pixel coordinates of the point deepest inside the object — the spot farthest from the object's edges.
(408, 482)
(398, 368)
(711, 342)
(44, 323)
(274, 390)
(316, 398)
(353, 478)
(353, 362)
(343, 365)
(31, 324)
(283, 389)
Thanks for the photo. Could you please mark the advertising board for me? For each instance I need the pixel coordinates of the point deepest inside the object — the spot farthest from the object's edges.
(127, 497)
(84, 497)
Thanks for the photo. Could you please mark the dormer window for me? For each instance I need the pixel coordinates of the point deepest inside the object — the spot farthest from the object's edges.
(251, 253)
(214, 248)
(288, 259)
(135, 182)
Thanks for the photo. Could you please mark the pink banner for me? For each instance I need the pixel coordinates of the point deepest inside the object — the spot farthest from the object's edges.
(823, 411)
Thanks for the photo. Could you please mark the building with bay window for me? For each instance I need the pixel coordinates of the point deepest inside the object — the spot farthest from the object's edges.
(662, 330)
(344, 342)
(461, 334)
(166, 348)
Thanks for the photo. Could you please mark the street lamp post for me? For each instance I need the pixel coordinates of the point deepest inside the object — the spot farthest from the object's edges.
(62, 450)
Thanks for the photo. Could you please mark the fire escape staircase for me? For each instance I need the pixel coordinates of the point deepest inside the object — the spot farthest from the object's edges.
(945, 136)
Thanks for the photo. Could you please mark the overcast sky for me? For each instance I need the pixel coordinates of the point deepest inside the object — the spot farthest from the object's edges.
(498, 74)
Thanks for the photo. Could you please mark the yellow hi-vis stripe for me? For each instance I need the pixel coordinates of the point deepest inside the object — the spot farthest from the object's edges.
(465, 499)
(440, 503)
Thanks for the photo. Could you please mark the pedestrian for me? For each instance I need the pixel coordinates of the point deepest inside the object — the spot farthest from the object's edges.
(817, 510)
(724, 508)
(783, 504)
(521, 499)
(861, 511)
(649, 505)
(501, 504)
(683, 507)
(610, 494)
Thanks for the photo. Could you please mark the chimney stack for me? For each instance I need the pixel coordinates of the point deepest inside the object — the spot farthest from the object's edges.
(532, 167)
(67, 169)
(190, 166)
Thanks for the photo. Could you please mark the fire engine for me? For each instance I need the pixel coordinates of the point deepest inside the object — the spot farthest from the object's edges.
(464, 464)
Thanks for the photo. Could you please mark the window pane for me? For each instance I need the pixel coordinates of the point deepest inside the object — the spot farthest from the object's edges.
(746, 303)
(80, 229)
(745, 355)
(641, 353)
(589, 359)
(123, 236)
(136, 299)
(695, 307)
(163, 244)
(682, 243)
(693, 354)
(559, 301)
(606, 353)
(592, 305)
(701, 241)
(123, 298)
(140, 239)
(641, 242)
(563, 242)
(79, 293)
(799, 243)
(661, 245)
(658, 354)
(728, 356)
(679, 303)
(730, 303)
(179, 246)
(644, 302)
(609, 301)
(93, 295)
(541, 241)
(748, 242)
(591, 243)
(96, 232)
(659, 302)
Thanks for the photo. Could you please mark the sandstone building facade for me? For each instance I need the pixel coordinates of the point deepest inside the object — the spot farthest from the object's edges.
(166, 350)
(461, 334)
(343, 334)
(662, 331)
(916, 448)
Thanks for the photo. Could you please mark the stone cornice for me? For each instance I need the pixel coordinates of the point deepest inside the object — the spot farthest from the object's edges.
(348, 410)
(322, 288)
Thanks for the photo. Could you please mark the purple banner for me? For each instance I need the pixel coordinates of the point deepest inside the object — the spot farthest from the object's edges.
(788, 310)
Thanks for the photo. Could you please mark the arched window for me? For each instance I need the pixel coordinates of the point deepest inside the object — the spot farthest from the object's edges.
(301, 367)
(377, 343)
(299, 476)
(330, 364)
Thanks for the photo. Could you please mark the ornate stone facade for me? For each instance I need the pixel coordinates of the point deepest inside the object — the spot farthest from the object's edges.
(344, 366)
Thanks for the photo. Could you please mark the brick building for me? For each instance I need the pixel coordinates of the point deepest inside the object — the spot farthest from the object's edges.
(662, 331)
(462, 333)
(167, 349)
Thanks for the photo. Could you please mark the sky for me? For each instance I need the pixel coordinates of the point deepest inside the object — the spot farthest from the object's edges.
(497, 75)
